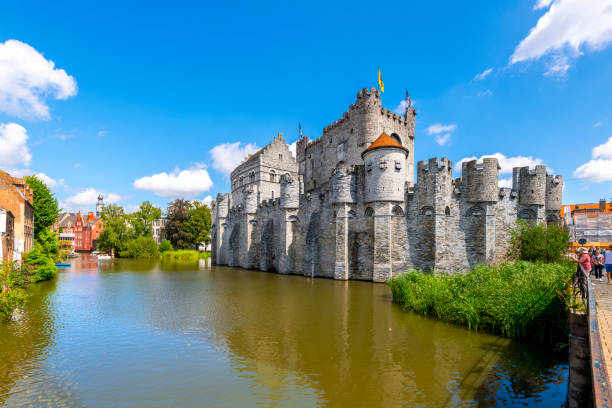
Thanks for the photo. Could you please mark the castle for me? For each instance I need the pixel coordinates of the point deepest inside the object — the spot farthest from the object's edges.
(348, 207)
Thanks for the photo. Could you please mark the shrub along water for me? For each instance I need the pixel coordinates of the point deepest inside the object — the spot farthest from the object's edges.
(520, 300)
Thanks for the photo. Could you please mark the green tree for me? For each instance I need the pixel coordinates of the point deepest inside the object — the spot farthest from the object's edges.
(538, 242)
(46, 210)
(165, 246)
(198, 222)
(140, 247)
(142, 220)
(174, 231)
(117, 231)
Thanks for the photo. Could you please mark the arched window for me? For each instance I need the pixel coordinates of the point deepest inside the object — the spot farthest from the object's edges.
(352, 214)
(252, 176)
(240, 180)
(447, 210)
(369, 212)
(272, 175)
(476, 211)
(427, 210)
(527, 214)
(396, 137)
(397, 211)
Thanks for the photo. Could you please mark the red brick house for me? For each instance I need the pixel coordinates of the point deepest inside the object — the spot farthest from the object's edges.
(86, 229)
(16, 196)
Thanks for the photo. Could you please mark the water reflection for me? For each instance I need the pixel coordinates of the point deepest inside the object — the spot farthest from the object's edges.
(158, 334)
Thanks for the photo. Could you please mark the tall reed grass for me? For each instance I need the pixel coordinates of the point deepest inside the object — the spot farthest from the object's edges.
(519, 300)
(185, 255)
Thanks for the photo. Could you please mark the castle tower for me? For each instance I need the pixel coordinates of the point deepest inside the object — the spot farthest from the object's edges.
(289, 203)
(219, 237)
(344, 193)
(385, 183)
(99, 206)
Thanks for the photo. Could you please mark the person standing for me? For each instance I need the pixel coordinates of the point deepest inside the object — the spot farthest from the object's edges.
(598, 263)
(583, 259)
(608, 263)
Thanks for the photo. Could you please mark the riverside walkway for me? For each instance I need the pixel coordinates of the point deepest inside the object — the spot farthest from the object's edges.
(603, 299)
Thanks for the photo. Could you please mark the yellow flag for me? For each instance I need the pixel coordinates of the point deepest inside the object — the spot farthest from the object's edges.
(381, 85)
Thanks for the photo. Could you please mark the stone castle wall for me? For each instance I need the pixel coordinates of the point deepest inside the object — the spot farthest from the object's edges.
(341, 211)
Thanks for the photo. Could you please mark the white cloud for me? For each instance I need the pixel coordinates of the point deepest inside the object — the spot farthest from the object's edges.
(488, 92)
(506, 163)
(439, 128)
(27, 79)
(597, 124)
(49, 181)
(87, 198)
(600, 167)
(505, 183)
(483, 74)
(177, 184)
(603, 151)
(102, 133)
(442, 139)
(401, 108)
(564, 29)
(13, 145)
(207, 200)
(227, 156)
(292, 148)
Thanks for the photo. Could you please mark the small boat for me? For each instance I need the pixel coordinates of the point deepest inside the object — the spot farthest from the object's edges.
(104, 257)
(62, 265)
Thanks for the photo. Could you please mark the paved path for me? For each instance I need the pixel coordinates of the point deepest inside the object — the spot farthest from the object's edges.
(603, 299)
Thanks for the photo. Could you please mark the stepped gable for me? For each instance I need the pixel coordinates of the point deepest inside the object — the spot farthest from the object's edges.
(384, 140)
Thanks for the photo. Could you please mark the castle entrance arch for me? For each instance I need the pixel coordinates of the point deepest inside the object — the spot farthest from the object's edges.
(234, 246)
(267, 255)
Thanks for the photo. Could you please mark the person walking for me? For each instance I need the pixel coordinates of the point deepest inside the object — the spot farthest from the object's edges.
(608, 263)
(598, 263)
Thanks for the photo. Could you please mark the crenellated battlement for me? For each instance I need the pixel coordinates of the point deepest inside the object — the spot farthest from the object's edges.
(480, 180)
(435, 165)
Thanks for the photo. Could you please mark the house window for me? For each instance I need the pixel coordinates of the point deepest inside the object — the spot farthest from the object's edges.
(398, 164)
(272, 175)
(280, 156)
(369, 166)
(383, 164)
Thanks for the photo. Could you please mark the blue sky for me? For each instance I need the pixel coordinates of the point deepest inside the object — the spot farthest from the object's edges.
(152, 102)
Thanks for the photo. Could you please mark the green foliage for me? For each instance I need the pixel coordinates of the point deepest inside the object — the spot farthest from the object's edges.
(185, 255)
(13, 281)
(10, 301)
(165, 245)
(519, 300)
(46, 210)
(142, 220)
(174, 231)
(48, 244)
(140, 247)
(42, 264)
(116, 233)
(198, 222)
(538, 242)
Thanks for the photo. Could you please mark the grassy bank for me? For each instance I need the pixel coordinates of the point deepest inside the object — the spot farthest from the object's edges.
(185, 255)
(520, 300)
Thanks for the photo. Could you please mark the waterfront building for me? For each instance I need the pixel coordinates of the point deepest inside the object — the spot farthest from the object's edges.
(156, 229)
(589, 223)
(83, 230)
(348, 205)
(7, 237)
(16, 196)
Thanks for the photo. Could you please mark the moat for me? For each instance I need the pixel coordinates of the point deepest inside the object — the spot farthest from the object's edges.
(149, 334)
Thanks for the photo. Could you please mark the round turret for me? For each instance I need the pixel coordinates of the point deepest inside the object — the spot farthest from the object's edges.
(289, 192)
(482, 180)
(385, 170)
(554, 193)
(532, 186)
(343, 188)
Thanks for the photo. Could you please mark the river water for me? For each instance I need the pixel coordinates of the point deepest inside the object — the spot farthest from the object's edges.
(145, 334)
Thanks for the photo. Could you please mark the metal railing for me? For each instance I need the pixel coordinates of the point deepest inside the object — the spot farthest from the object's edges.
(599, 374)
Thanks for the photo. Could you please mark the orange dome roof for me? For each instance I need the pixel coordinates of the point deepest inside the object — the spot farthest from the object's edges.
(384, 140)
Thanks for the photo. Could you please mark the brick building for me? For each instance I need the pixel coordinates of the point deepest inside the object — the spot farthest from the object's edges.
(86, 229)
(591, 222)
(16, 196)
(7, 236)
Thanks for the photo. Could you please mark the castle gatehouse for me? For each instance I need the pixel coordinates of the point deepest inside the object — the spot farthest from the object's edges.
(348, 207)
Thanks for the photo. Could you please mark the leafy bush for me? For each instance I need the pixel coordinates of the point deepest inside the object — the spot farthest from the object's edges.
(165, 245)
(43, 266)
(519, 300)
(185, 255)
(10, 301)
(538, 242)
(141, 247)
(48, 244)
(13, 280)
